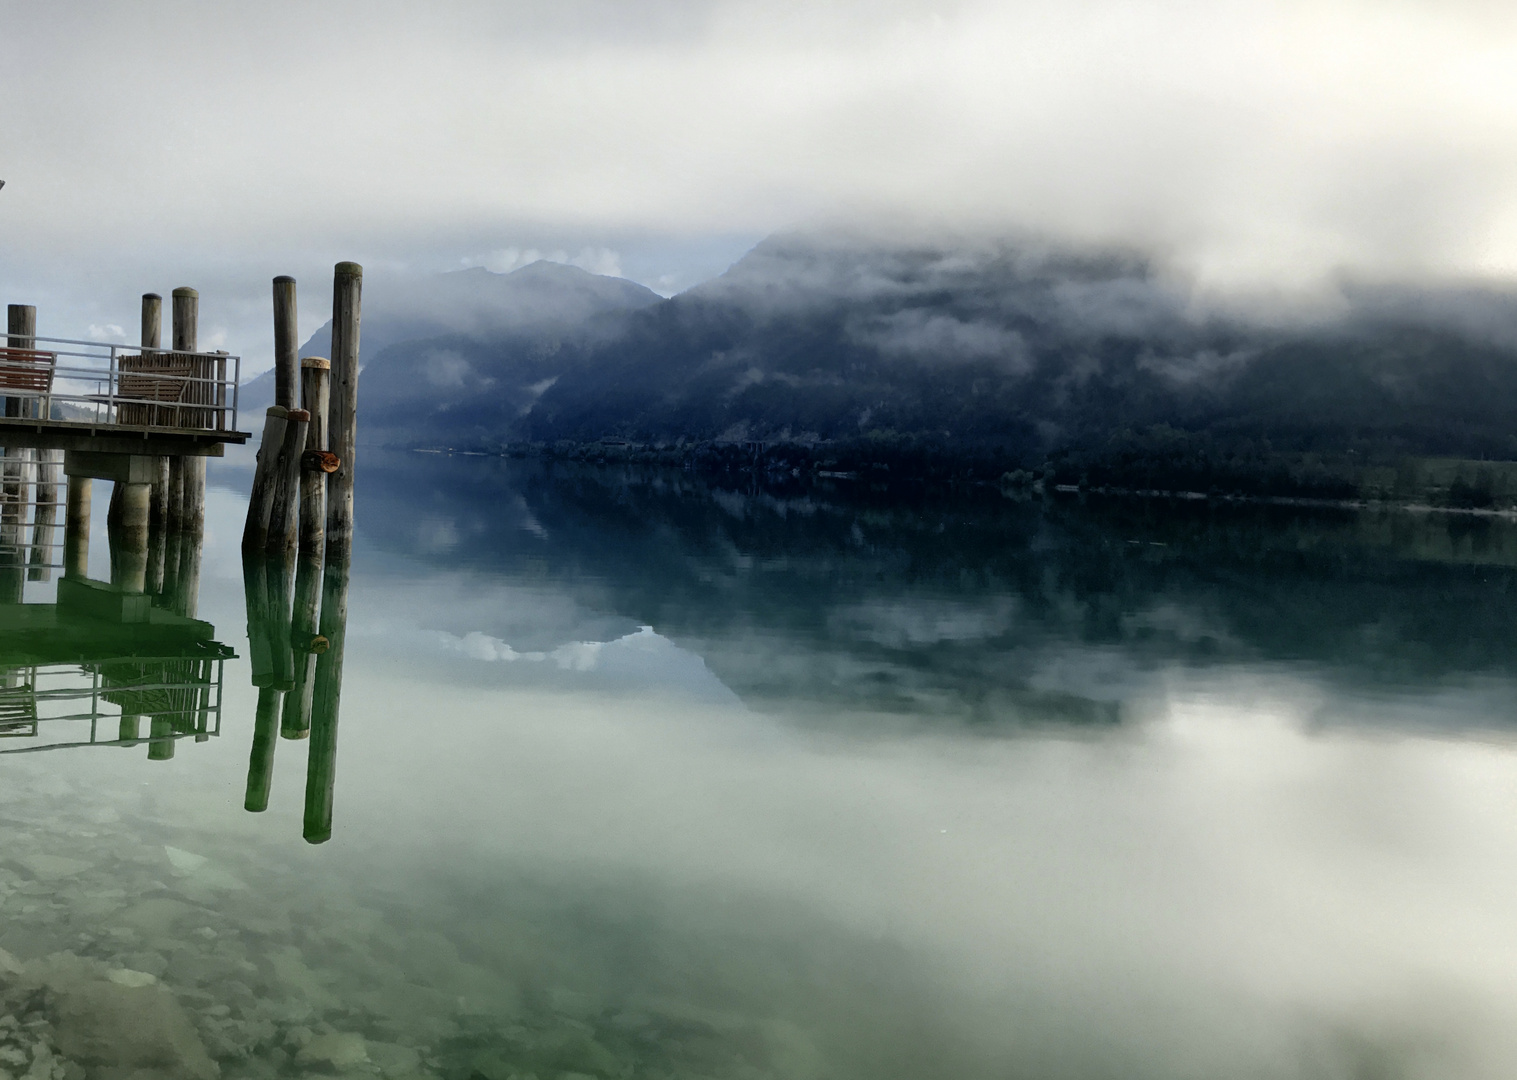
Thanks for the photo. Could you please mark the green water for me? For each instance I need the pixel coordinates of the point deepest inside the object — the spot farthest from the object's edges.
(639, 776)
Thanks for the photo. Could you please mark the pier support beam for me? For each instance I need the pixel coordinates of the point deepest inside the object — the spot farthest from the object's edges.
(76, 528)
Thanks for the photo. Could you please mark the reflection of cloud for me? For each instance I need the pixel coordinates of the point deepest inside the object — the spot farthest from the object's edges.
(644, 658)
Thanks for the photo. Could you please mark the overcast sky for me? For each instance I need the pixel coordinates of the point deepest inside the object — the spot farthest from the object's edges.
(1255, 145)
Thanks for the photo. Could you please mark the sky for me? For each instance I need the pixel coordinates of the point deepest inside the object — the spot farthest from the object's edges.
(1252, 145)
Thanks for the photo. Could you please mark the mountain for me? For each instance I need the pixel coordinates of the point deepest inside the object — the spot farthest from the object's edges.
(844, 353)
(531, 311)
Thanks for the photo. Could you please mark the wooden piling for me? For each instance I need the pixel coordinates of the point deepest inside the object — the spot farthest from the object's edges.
(192, 501)
(316, 463)
(286, 345)
(326, 695)
(129, 539)
(174, 501)
(152, 321)
(186, 319)
(284, 509)
(76, 528)
(342, 418)
(255, 530)
(21, 333)
(45, 519)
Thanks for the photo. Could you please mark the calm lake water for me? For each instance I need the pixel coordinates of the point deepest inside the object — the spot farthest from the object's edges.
(643, 777)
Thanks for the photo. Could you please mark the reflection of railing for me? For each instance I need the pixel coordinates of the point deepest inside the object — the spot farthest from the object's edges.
(30, 529)
(179, 696)
(124, 384)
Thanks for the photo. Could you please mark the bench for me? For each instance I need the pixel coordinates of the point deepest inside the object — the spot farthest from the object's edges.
(27, 373)
(154, 388)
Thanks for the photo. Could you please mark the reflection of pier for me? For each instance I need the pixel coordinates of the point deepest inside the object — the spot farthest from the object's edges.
(105, 666)
(124, 660)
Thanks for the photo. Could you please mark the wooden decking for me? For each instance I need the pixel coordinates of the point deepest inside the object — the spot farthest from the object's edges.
(85, 435)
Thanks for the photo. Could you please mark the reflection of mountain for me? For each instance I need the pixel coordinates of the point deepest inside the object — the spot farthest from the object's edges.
(980, 607)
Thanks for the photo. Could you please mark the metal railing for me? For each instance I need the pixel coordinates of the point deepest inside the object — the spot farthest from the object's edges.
(114, 384)
(178, 696)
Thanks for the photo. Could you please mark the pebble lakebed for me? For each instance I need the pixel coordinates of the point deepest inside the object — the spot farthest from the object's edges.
(127, 956)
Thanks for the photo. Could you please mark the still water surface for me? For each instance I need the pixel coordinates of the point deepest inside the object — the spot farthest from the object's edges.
(640, 777)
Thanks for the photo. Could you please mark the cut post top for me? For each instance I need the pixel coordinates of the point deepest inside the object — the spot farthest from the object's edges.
(184, 291)
(284, 279)
(317, 363)
(348, 269)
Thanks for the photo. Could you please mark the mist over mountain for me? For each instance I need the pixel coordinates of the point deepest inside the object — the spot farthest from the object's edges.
(1085, 366)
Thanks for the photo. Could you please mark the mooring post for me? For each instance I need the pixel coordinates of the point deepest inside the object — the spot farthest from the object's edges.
(316, 463)
(76, 528)
(286, 345)
(193, 501)
(186, 319)
(284, 512)
(21, 333)
(45, 520)
(152, 338)
(342, 417)
(152, 321)
(255, 530)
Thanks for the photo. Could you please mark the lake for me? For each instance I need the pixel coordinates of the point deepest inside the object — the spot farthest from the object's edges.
(641, 775)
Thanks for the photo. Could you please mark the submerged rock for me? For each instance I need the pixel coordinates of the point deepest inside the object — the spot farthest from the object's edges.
(338, 1051)
(116, 1029)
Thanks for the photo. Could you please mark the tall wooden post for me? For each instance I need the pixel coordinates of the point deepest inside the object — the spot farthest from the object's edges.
(255, 530)
(152, 321)
(286, 345)
(152, 338)
(316, 462)
(186, 339)
(342, 419)
(45, 520)
(21, 333)
(284, 514)
(186, 319)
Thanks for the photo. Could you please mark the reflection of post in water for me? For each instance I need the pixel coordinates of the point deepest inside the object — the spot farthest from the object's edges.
(307, 644)
(302, 502)
(266, 585)
(321, 764)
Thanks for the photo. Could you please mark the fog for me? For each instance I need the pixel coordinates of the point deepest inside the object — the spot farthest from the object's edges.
(1257, 145)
